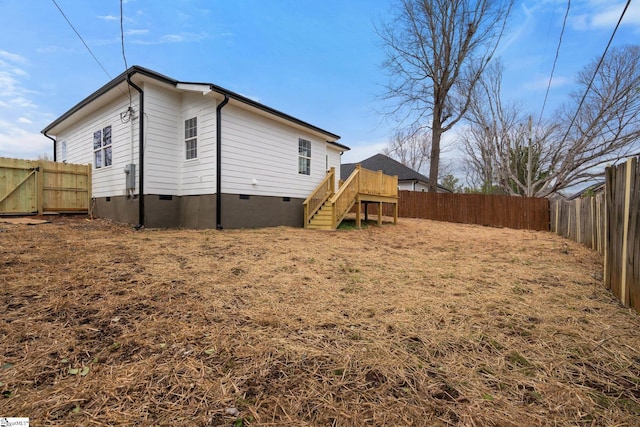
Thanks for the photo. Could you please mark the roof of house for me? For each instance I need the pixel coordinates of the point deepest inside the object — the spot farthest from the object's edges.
(132, 71)
(388, 166)
(590, 190)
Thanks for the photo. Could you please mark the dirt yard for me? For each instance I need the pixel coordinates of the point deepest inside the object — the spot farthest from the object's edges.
(421, 323)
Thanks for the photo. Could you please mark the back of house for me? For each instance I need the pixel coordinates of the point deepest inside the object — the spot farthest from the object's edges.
(167, 153)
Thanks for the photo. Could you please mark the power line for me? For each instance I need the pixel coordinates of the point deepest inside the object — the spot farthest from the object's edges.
(124, 57)
(555, 61)
(81, 39)
(595, 73)
(126, 67)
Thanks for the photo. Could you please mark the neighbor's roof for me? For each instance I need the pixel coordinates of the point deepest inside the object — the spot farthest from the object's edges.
(593, 188)
(168, 80)
(388, 166)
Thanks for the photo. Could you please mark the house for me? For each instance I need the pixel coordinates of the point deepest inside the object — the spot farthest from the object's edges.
(167, 153)
(590, 191)
(408, 179)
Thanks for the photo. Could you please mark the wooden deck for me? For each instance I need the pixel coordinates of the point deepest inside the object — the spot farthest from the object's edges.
(325, 208)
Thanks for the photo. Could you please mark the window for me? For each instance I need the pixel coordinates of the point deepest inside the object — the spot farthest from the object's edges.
(304, 157)
(63, 151)
(191, 138)
(102, 147)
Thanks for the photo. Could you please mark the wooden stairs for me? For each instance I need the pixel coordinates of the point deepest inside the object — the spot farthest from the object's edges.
(326, 208)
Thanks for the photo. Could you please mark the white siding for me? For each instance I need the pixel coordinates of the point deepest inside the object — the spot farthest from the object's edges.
(409, 185)
(259, 155)
(256, 148)
(161, 153)
(110, 180)
(333, 154)
(198, 176)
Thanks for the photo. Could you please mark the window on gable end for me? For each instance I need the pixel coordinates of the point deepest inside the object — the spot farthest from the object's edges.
(304, 157)
(191, 138)
(106, 145)
(97, 149)
(102, 147)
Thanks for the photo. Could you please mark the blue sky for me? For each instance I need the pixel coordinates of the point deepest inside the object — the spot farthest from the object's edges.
(316, 60)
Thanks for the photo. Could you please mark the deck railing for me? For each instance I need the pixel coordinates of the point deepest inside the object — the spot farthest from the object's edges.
(321, 194)
(345, 197)
(362, 182)
(378, 184)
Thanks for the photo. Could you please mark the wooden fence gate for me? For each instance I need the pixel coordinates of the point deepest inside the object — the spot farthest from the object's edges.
(29, 187)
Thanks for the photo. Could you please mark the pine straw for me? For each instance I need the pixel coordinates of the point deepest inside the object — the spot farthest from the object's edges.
(422, 323)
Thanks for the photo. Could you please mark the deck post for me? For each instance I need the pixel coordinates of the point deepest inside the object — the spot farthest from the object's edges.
(379, 214)
(358, 211)
(395, 212)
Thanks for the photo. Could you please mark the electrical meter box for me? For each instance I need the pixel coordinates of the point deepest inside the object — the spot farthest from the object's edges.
(130, 171)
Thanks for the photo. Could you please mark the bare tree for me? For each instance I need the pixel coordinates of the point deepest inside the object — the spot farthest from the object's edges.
(436, 52)
(540, 159)
(494, 125)
(606, 127)
(411, 147)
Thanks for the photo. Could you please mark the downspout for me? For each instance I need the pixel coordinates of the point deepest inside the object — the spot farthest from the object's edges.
(219, 161)
(55, 157)
(141, 154)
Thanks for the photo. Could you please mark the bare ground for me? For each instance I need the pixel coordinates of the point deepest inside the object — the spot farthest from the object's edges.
(422, 323)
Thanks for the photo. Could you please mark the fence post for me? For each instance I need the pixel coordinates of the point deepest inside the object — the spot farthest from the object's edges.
(605, 237)
(89, 191)
(593, 223)
(578, 220)
(625, 235)
(39, 185)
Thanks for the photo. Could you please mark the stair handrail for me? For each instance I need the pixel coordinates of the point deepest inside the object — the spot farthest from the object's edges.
(345, 197)
(321, 194)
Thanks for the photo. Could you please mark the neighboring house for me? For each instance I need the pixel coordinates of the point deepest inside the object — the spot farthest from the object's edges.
(589, 191)
(210, 157)
(408, 179)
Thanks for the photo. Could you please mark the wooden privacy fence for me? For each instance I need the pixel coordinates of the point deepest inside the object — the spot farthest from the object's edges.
(609, 223)
(622, 231)
(496, 211)
(581, 220)
(39, 186)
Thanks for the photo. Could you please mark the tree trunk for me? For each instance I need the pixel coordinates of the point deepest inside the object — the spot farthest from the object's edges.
(436, 135)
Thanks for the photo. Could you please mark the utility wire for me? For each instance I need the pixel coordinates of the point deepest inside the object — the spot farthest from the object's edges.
(595, 73)
(555, 61)
(126, 67)
(81, 39)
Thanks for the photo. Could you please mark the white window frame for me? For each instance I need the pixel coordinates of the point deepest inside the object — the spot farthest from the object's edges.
(191, 138)
(304, 156)
(102, 147)
(63, 151)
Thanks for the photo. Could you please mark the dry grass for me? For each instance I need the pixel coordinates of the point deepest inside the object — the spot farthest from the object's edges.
(422, 323)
